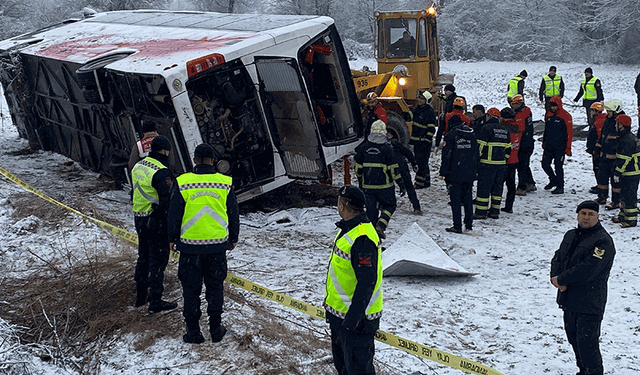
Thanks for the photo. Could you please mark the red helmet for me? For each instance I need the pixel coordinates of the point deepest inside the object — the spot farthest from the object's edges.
(624, 120)
(493, 111)
(517, 99)
(371, 97)
(459, 102)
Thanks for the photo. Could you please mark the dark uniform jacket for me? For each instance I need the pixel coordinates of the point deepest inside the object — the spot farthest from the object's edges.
(401, 154)
(629, 148)
(366, 276)
(382, 173)
(459, 155)
(609, 137)
(424, 124)
(558, 129)
(494, 143)
(583, 263)
(478, 123)
(176, 212)
(524, 120)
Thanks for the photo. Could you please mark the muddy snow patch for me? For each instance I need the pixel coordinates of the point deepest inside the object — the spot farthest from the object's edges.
(29, 224)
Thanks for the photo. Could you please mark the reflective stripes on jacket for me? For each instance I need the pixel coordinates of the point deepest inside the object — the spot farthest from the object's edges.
(144, 194)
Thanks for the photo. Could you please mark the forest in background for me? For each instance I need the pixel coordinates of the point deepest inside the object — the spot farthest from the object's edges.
(589, 31)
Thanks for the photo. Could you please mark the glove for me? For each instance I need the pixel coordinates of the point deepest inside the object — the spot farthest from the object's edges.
(567, 152)
(415, 167)
(616, 179)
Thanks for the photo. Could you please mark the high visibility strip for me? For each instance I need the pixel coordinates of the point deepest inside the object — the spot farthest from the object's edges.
(408, 346)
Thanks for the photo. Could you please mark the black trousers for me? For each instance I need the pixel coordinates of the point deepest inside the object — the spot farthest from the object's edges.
(352, 350)
(193, 270)
(460, 194)
(583, 333)
(404, 182)
(510, 181)
(525, 176)
(380, 205)
(595, 161)
(586, 103)
(423, 151)
(153, 256)
(629, 198)
(490, 183)
(557, 158)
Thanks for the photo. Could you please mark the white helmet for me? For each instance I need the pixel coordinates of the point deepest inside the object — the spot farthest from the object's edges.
(613, 105)
(427, 95)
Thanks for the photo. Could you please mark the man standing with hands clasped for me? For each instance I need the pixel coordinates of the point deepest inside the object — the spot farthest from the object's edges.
(580, 270)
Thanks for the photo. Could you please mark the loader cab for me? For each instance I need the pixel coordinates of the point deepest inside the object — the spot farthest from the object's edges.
(409, 38)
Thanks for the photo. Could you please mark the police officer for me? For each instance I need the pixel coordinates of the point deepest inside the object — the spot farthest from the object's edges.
(494, 146)
(516, 85)
(376, 172)
(627, 173)
(580, 271)
(590, 91)
(458, 168)
(203, 224)
(353, 293)
(524, 120)
(551, 85)
(151, 193)
(608, 149)
(557, 138)
(422, 130)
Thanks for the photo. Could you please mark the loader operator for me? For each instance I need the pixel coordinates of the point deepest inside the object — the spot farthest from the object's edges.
(151, 193)
(353, 294)
(404, 47)
(424, 126)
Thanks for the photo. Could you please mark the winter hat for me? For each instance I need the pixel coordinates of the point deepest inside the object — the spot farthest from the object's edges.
(523, 73)
(624, 120)
(493, 111)
(588, 70)
(450, 88)
(507, 112)
(589, 205)
(204, 151)
(354, 195)
(160, 143)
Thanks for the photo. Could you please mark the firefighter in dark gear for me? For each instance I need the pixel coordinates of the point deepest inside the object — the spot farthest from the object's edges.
(551, 85)
(353, 293)
(608, 149)
(401, 154)
(580, 271)
(459, 168)
(376, 172)
(627, 172)
(449, 97)
(376, 112)
(557, 138)
(494, 149)
(507, 116)
(590, 92)
(593, 145)
(516, 85)
(524, 121)
(203, 224)
(152, 182)
(422, 130)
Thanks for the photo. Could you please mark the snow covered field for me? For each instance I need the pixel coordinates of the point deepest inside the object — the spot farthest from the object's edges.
(505, 317)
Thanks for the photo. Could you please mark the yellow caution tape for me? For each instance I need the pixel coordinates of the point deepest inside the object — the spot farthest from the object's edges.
(408, 346)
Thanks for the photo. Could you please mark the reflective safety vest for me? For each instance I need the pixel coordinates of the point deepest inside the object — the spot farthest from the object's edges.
(552, 85)
(589, 88)
(205, 220)
(513, 86)
(144, 195)
(341, 277)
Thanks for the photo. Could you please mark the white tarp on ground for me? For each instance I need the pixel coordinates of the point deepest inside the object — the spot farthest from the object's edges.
(416, 254)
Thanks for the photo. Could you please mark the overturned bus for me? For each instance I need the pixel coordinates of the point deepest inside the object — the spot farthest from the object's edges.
(272, 94)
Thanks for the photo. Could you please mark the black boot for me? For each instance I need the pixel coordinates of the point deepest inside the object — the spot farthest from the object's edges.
(218, 333)
(193, 336)
(160, 305)
(141, 294)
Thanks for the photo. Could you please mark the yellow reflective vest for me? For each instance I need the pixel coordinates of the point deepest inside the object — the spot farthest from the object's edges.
(144, 195)
(552, 85)
(205, 220)
(589, 88)
(513, 86)
(341, 277)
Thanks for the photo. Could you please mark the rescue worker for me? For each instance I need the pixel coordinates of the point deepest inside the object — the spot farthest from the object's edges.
(401, 154)
(203, 224)
(448, 97)
(627, 173)
(580, 271)
(376, 172)
(459, 168)
(353, 293)
(507, 116)
(637, 88)
(376, 112)
(551, 85)
(143, 146)
(494, 147)
(608, 149)
(524, 121)
(152, 182)
(479, 117)
(459, 105)
(557, 138)
(593, 137)
(590, 91)
(516, 85)
(422, 130)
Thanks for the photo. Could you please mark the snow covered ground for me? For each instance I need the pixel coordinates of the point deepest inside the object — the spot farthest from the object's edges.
(505, 317)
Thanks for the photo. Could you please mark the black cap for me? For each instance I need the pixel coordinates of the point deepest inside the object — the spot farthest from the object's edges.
(523, 73)
(148, 126)
(451, 88)
(507, 112)
(588, 70)
(204, 151)
(354, 195)
(589, 205)
(160, 143)
(552, 68)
